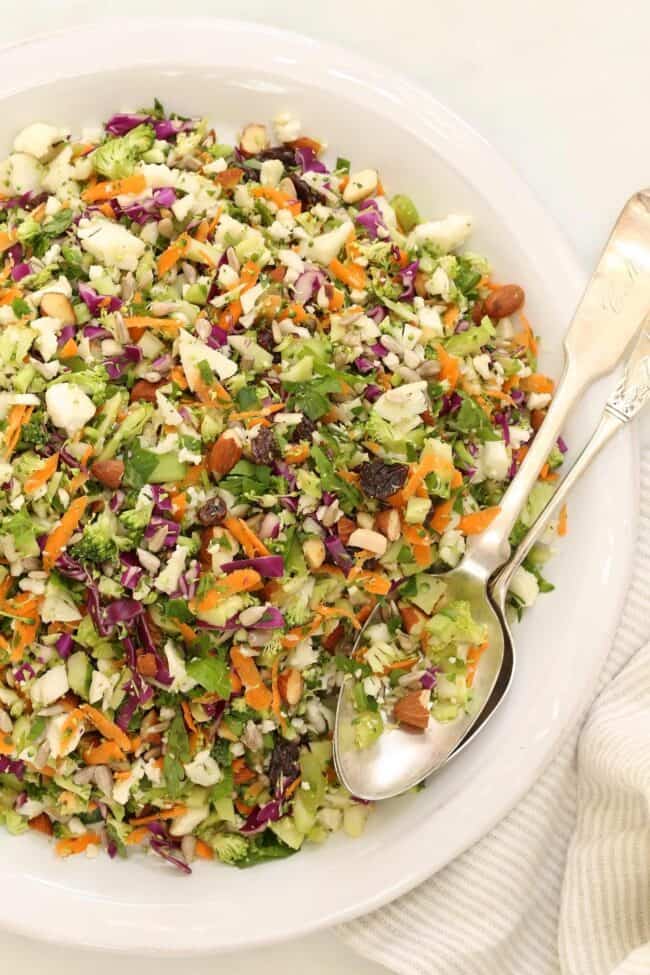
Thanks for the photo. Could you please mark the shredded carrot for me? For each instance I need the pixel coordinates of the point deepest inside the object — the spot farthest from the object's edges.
(246, 537)
(9, 295)
(450, 316)
(104, 754)
(7, 240)
(172, 255)
(189, 719)
(42, 474)
(63, 532)
(230, 315)
(189, 635)
(338, 612)
(474, 654)
(537, 383)
(263, 411)
(449, 366)
(351, 274)
(174, 812)
(429, 463)
(69, 350)
(203, 851)
(297, 454)
(7, 746)
(168, 325)
(336, 301)
(406, 664)
(563, 521)
(77, 482)
(239, 580)
(137, 836)
(372, 582)
(115, 187)
(478, 521)
(106, 727)
(179, 505)
(527, 336)
(282, 200)
(442, 516)
(18, 416)
(289, 791)
(257, 695)
(76, 844)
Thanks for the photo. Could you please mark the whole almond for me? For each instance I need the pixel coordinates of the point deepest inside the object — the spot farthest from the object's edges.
(504, 301)
(290, 685)
(478, 311)
(143, 390)
(56, 305)
(108, 472)
(387, 522)
(254, 139)
(412, 618)
(420, 283)
(412, 710)
(224, 454)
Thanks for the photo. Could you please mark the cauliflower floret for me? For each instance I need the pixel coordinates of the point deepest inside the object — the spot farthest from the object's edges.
(68, 407)
(110, 243)
(203, 770)
(38, 139)
(286, 126)
(447, 234)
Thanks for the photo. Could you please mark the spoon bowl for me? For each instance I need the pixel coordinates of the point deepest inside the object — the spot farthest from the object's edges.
(399, 759)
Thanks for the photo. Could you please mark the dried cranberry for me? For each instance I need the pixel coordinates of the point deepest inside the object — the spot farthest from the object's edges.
(264, 447)
(265, 339)
(303, 431)
(283, 767)
(212, 512)
(380, 480)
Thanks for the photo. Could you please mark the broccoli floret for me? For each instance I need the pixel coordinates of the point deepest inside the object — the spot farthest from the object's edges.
(23, 529)
(229, 847)
(129, 428)
(97, 543)
(134, 521)
(116, 158)
(298, 614)
(34, 433)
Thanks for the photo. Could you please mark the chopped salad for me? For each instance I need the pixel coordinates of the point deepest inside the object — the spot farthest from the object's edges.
(246, 396)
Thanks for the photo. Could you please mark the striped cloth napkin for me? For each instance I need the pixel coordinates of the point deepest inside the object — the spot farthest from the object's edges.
(562, 885)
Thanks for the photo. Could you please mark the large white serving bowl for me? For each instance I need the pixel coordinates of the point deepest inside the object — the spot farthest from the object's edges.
(235, 72)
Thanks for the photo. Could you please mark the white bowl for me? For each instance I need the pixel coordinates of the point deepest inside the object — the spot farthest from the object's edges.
(235, 72)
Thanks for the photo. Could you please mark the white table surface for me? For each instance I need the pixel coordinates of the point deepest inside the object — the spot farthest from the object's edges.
(559, 87)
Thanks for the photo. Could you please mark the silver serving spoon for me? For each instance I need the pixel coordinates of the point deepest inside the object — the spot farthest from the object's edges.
(608, 316)
(629, 397)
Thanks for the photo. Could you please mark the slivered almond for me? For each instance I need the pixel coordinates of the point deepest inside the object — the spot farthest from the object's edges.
(290, 685)
(412, 710)
(224, 454)
(56, 305)
(370, 540)
(314, 552)
(387, 522)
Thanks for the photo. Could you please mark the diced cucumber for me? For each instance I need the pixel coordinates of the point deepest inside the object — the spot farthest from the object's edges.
(168, 468)
(79, 673)
(286, 830)
(305, 807)
(429, 590)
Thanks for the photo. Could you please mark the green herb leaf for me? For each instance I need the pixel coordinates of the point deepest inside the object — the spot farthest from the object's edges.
(212, 673)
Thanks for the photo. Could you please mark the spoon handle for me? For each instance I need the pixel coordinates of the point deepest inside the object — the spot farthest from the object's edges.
(610, 312)
(628, 399)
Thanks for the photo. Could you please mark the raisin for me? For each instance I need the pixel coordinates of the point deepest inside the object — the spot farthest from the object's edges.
(308, 196)
(283, 767)
(212, 512)
(303, 431)
(265, 339)
(264, 447)
(380, 480)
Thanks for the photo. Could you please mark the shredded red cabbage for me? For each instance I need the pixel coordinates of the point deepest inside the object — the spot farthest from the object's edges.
(270, 566)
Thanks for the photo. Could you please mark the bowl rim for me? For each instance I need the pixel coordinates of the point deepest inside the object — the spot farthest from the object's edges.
(470, 147)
